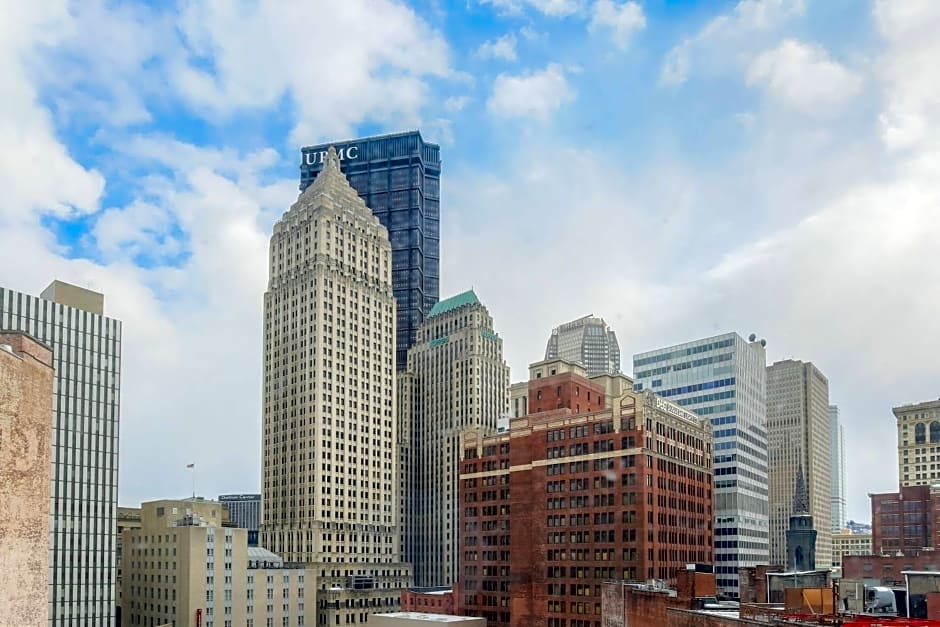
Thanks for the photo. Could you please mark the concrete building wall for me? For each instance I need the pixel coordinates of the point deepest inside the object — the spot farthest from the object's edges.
(519, 399)
(798, 436)
(918, 443)
(424, 619)
(26, 379)
(330, 459)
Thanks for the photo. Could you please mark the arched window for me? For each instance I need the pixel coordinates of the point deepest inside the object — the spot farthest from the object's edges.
(920, 433)
(935, 431)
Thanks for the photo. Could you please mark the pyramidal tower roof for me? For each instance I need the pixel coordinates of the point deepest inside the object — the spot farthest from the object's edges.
(331, 188)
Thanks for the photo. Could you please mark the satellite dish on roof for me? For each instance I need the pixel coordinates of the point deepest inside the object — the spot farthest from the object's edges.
(752, 337)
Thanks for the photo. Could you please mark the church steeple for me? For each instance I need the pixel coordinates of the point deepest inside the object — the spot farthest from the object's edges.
(801, 536)
(800, 494)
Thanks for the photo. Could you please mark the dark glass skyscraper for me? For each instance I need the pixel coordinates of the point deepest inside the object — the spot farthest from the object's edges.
(399, 178)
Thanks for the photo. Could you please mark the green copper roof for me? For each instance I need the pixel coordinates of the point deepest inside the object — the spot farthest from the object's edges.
(448, 304)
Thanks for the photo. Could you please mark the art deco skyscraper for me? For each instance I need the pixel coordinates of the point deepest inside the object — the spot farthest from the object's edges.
(456, 379)
(330, 460)
(798, 442)
(587, 341)
(86, 355)
(399, 178)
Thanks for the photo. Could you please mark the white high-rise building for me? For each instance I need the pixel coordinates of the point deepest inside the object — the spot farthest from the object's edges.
(798, 440)
(330, 489)
(456, 379)
(587, 341)
(86, 350)
(837, 448)
(723, 378)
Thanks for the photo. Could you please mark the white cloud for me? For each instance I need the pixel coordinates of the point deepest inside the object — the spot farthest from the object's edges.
(552, 8)
(501, 48)
(713, 44)
(909, 72)
(804, 77)
(355, 61)
(61, 186)
(536, 94)
(455, 104)
(623, 20)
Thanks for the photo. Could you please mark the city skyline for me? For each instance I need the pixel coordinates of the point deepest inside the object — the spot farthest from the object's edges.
(165, 201)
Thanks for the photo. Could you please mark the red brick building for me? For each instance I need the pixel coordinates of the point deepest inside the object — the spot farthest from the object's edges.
(428, 600)
(564, 501)
(905, 521)
(887, 569)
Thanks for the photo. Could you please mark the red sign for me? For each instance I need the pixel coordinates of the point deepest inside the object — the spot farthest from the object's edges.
(199, 617)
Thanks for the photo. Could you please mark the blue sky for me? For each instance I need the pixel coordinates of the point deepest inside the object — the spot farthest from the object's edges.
(679, 168)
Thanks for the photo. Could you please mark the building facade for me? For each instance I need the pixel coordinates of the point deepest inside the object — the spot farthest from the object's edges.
(519, 399)
(182, 567)
(127, 518)
(86, 352)
(587, 341)
(456, 379)
(565, 501)
(918, 443)
(837, 468)
(244, 510)
(906, 521)
(846, 543)
(26, 378)
(799, 443)
(330, 461)
(723, 379)
(399, 178)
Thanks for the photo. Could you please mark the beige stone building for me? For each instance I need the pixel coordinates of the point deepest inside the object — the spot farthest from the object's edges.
(918, 443)
(127, 518)
(182, 567)
(330, 489)
(456, 378)
(26, 376)
(798, 437)
(847, 543)
(519, 399)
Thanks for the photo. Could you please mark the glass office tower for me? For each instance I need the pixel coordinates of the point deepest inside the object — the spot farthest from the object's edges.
(398, 176)
(723, 378)
(86, 353)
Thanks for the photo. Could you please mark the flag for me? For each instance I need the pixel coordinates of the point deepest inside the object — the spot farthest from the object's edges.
(190, 465)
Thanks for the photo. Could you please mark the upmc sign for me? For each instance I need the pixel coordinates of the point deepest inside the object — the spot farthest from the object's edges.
(344, 153)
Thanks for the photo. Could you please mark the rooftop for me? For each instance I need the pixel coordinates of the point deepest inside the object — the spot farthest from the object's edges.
(454, 302)
(438, 618)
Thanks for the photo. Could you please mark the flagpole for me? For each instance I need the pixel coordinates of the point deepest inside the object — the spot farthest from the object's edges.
(192, 467)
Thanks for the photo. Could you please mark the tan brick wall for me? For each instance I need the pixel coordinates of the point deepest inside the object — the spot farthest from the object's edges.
(25, 469)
